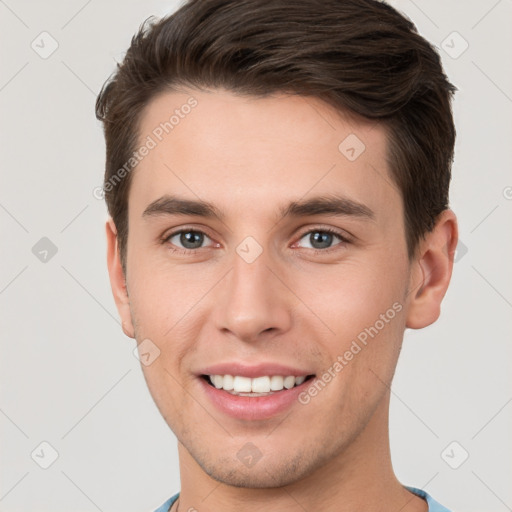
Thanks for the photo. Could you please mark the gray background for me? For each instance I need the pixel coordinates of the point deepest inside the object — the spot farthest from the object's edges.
(68, 375)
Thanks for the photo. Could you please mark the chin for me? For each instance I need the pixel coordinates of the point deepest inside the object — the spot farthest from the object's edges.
(265, 474)
(252, 478)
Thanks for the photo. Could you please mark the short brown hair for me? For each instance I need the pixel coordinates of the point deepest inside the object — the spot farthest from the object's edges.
(359, 56)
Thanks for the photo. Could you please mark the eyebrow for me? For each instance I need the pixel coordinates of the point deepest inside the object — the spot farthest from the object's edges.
(322, 205)
(171, 205)
(328, 205)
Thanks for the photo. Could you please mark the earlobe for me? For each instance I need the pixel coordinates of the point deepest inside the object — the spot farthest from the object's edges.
(117, 279)
(432, 271)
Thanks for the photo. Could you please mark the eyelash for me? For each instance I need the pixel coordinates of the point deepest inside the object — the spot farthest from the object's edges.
(343, 240)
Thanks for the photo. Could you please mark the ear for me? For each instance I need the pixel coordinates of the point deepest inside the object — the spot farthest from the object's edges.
(431, 271)
(117, 279)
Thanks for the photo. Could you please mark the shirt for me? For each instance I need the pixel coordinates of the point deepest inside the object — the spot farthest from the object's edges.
(433, 505)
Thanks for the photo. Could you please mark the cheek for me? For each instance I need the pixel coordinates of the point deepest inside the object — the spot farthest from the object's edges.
(351, 296)
(363, 306)
(160, 295)
(167, 307)
(167, 391)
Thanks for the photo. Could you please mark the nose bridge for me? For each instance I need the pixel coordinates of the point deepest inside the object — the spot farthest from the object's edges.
(253, 299)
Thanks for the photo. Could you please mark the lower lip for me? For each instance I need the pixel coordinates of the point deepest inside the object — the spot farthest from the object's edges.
(253, 408)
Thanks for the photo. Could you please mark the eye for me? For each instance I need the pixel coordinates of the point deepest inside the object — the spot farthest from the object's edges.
(322, 239)
(187, 239)
(190, 240)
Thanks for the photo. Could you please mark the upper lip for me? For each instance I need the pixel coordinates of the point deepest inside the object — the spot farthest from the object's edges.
(253, 370)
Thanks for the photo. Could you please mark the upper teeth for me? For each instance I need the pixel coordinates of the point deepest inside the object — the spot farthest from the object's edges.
(264, 384)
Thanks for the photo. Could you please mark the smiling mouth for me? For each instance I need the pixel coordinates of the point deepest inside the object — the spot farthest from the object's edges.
(258, 386)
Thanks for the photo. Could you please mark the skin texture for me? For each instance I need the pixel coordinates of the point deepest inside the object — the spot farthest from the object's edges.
(293, 305)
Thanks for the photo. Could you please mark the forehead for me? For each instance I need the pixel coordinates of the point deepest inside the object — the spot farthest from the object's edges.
(252, 152)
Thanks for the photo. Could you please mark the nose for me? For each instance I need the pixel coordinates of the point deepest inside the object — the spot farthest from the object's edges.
(254, 302)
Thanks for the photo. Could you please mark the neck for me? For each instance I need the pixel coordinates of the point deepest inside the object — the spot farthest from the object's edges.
(361, 477)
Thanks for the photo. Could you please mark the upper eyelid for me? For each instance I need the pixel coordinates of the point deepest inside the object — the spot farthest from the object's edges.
(335, 231)
(186, 229)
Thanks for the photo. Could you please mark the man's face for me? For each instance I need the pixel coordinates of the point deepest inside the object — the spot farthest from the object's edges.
(256, 287)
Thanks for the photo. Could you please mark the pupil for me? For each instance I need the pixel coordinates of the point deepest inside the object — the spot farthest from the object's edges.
(322, 238)
(191, 237)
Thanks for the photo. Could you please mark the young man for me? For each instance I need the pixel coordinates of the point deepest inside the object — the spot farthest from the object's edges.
(277, 178)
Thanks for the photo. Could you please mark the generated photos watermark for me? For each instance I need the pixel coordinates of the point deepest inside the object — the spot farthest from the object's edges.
(357, 345)
(151, 142)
